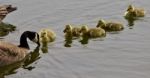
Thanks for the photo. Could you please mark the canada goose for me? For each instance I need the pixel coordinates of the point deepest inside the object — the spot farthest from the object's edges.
(4, 10)
(47, 35)
(133, 12)
(10, 53)
(72, 31)
(110, 26)
(92, 32)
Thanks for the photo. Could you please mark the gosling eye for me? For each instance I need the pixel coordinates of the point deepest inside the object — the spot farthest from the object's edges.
(44, 33)
(64, 31)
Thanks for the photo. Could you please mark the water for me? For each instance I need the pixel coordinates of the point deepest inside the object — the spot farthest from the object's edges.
(122, 55)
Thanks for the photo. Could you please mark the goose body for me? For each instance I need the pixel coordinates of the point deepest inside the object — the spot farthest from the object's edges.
(110, 26)
(10, 53)
(133, 12)
(47, 35)
(72, 31)
(92, 32)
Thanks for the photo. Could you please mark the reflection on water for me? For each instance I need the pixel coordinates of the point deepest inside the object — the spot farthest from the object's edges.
(123, 55)
(29, 59)
(44, 47)
(5, 28)
(84, 40)
(131, 22)
(68, 41)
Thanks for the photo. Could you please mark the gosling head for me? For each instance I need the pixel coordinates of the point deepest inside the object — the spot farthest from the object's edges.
(101, 23)
(84, 29)
(68, 29)
(130, 8)
(43, 33)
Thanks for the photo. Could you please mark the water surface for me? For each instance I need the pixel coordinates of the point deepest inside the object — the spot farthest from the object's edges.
(122, 55)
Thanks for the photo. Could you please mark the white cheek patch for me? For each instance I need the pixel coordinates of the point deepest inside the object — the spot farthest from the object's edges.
(36, 38)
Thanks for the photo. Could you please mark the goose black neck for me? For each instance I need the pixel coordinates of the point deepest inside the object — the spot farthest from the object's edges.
(23, 40)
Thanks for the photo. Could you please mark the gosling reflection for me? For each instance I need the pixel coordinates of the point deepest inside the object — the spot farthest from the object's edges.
(44, 47)
(130, 23)
(84, 40)
(5, 28)
(68, 41)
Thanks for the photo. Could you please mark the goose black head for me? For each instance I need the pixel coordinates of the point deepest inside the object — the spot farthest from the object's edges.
(34, 36)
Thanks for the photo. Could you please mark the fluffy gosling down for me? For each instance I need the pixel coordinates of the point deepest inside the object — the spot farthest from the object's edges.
(133, 12)
(92, 32)
(110, 26)
(10, 53)
(47, 35)
(72, 31)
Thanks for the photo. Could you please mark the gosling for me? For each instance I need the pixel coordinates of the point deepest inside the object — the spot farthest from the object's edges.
(47, 35)
(110, 26)
(133, 12)
(72, 31)
(92, 32)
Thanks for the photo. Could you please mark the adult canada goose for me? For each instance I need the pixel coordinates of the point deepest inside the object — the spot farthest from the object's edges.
(133, 12)
(92, 32)
(10, 53)
(47, 35)
(110, 26)
(72, 31)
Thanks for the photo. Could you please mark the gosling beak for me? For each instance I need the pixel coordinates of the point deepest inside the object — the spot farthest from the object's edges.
(97, 26)
(64, 31)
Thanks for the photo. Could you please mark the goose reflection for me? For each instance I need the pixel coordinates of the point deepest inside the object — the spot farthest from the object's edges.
(29, 59)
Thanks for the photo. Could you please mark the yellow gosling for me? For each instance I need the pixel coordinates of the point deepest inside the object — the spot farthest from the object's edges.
(47, 35)
(133, 12)
(110, 26)
(92, 32)
(72, 31)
